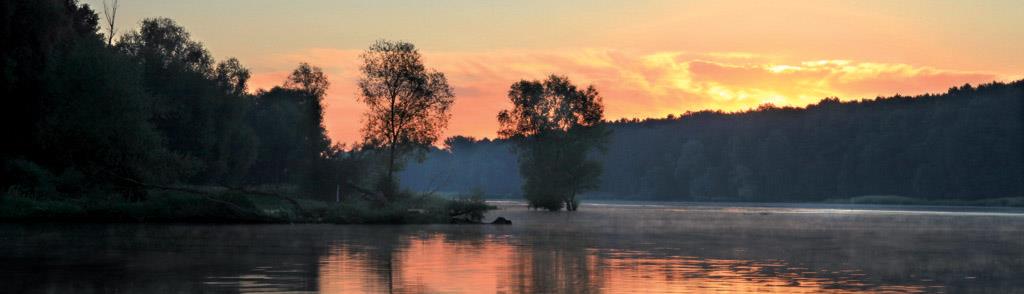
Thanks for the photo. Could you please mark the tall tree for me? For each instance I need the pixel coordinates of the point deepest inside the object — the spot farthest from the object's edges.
(289, 123)
(555, 125)
(408, 104)
(199, 109)
(312, 83)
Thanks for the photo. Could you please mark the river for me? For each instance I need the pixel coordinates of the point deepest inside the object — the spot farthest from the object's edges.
(624, 247)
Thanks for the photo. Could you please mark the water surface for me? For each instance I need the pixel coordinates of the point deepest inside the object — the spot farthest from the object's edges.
(603, 248)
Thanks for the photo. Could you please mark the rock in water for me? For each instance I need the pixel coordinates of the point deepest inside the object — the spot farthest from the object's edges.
(501, 221)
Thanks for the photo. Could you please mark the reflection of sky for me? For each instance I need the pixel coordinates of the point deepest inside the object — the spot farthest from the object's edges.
(436, 265)
(649, 59)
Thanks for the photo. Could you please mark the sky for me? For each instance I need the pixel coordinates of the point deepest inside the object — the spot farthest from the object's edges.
(647, 58)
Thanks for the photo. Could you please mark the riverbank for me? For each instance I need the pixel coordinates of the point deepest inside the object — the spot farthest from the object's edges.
(227, 208)
(901, 200)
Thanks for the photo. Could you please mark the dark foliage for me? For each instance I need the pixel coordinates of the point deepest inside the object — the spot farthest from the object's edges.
(554, 127)
(964, 144)
(81, 116)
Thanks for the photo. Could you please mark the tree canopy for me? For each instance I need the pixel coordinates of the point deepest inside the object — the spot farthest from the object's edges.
(408, 104)
(154, 108)
(555, 126)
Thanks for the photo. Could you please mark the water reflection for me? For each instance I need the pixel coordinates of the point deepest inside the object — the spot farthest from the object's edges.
(603, 249)
(436, 264)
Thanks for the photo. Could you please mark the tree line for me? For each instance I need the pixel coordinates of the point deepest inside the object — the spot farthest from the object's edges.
(87, 113)
(84, 113)
(962, 144)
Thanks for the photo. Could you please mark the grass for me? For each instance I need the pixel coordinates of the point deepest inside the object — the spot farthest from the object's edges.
(160, 207)
(412, 210)
(902, 200)
(180, 207)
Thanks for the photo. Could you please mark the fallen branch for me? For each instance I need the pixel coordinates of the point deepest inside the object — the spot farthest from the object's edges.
(204, 194)
(367, 192)
(209, 195)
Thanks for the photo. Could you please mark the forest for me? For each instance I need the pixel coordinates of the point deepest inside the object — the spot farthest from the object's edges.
(149, 127)
(964, 144)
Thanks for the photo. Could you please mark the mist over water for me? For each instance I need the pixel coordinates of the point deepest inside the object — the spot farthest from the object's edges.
(603, 248)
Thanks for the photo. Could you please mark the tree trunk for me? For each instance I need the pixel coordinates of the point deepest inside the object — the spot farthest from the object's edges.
(570, 203)
(390, 174)
(388, 193)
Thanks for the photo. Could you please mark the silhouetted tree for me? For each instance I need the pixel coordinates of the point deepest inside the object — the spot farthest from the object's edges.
(290, 128)
(555, 126)
(200, 110)
(98, 128)
(312, 82)
(232, 77)
(110, 17)
(408, 104)
(309, 79)
(162, 44)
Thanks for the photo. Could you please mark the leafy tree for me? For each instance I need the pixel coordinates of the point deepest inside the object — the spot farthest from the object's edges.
(312, 83)
(200, 110)
(162, 44)
(293, 144)
(555, 125)
(309, 79)
(232, 77)
(177, 72)
(408, 104)
(98, 120)
(74, 108)
(34, 34)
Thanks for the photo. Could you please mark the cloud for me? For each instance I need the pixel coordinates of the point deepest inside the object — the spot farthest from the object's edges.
(634, 84)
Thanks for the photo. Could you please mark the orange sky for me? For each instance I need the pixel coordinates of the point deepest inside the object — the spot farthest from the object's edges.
(648, 58)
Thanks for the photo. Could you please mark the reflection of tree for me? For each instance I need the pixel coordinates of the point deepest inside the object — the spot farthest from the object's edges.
(676, 255)
(407, 261)
(364, 258)
(559, 265)
(558, 271)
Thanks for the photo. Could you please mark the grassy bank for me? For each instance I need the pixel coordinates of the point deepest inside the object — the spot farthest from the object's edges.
(180, 207)
(901, 200)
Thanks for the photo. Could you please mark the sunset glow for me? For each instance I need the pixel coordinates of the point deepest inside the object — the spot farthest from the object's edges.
(436, 265)
(648, 59)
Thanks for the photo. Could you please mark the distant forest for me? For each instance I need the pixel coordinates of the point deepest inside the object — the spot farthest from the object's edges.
(964, 144)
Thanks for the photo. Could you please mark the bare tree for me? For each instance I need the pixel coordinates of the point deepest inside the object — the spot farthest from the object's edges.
(408, 104)
(110, 14)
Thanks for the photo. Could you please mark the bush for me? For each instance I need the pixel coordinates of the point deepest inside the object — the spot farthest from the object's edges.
(472, 206)
(409, 209)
